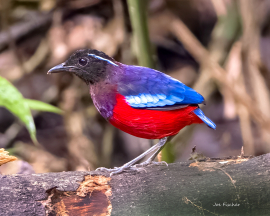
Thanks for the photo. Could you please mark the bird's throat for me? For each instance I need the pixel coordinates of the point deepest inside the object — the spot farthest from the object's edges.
(104, 98)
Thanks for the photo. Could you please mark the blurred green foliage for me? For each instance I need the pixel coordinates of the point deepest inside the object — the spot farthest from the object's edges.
(41, 106)
(13, 100)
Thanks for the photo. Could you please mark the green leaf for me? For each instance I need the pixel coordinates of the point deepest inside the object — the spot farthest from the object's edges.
(41, 106)
(13, 100)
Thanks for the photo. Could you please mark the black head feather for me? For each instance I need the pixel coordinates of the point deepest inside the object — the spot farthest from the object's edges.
(90, 65)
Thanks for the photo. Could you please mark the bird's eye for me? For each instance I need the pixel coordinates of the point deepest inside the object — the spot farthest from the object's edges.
(83, 61)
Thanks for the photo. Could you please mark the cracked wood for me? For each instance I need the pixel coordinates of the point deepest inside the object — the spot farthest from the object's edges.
(211, 187)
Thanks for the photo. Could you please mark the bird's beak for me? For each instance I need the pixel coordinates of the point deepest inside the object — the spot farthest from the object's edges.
(59, 68)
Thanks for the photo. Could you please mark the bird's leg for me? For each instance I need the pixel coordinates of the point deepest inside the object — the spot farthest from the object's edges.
(130, 163)
(151, 159)
(156, 148)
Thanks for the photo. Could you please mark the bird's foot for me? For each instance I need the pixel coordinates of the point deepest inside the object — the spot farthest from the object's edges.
(149, 162)
(126, 168)
(115, 170)
(103, 169)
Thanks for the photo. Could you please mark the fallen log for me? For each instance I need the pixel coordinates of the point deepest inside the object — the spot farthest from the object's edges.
(231, 186)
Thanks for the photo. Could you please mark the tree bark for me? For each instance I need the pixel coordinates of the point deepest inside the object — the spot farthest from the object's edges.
(234, 186)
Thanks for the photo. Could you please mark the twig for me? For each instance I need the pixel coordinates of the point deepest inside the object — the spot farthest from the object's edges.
(233, 67)
(242, 152)
(216, 71)
(186, 200)
(253, 16)
(232, 181)
(36, 59)
(19, 30)
(217, 51)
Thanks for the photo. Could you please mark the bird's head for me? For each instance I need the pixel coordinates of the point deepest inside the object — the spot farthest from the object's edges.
(89, 65)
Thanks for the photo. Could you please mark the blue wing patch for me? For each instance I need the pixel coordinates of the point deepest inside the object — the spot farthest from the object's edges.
(146, 88)
(206, 120)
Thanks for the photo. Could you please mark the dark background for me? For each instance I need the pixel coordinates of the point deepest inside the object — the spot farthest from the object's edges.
(39, 34)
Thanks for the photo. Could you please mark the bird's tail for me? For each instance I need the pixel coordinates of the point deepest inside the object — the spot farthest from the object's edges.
(206, 120)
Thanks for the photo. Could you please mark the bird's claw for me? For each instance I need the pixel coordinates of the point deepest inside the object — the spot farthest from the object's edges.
(103, 169)
(146, 163)
(124, 168)
(113, 171)
(161, 163)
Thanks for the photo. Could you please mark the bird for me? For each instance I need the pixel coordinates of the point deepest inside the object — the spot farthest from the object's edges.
(141, 101)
